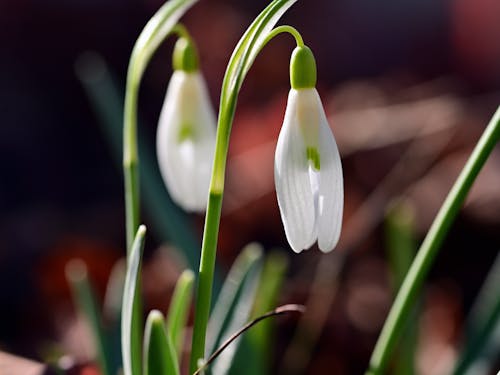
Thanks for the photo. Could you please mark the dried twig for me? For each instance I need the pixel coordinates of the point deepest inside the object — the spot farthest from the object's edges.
(285, 309)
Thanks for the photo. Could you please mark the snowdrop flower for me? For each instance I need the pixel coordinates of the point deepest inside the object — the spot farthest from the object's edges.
(307, 170)
(185, 139)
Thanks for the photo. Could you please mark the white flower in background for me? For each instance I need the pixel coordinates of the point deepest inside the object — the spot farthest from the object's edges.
(185, 140)
(308, 171)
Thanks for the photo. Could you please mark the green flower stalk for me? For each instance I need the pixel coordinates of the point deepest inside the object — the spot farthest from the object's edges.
(308, 171)
(310, 152)
(156, 30)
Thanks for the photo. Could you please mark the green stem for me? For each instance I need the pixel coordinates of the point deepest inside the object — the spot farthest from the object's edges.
(225, 119)
(130, 159)
(205, 278)
(428, 250)
(156, 30)
(181, 31)
(285, 29)
(249, 46)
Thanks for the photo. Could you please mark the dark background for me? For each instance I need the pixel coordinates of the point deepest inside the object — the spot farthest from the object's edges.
(61, 185)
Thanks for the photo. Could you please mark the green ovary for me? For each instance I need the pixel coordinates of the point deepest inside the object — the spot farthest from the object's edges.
(312, 154)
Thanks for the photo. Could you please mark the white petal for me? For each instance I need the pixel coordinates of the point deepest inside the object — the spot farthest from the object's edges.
(291, 176)
(331, 188)
(309, 115)
(185, 164)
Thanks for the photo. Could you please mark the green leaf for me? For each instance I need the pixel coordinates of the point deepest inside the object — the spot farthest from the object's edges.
(482, 343)
(111, 312)
(241, 60)
(159, 352)
(131, 340)
(113, 297)
(157, 29)
(179, 309)
(234, 305)
(410, 289)
(85, 300)
(401, 248)
(255, 353)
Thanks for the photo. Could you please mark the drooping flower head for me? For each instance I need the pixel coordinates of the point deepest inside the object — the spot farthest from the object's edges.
(307, 169)
(185, 139)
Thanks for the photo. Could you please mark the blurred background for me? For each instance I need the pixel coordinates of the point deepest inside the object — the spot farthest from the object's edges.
(409, 86)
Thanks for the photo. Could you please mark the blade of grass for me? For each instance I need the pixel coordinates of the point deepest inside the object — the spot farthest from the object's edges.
(113, 297)
(401, 248)
(230, 292)
(483, 324)
(410, 288)
(131, 340)
(159, 353)
(155, 31)
(112, 308)
(238, 316)
(255, 353)
(85, 300)
(178, 310)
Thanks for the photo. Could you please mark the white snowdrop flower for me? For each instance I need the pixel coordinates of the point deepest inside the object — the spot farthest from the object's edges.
(307, 170)
(185, 139)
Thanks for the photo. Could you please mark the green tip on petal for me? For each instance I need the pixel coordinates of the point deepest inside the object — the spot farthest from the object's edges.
(185, 56)
(313, 156)
(302, 68)
(186, 132)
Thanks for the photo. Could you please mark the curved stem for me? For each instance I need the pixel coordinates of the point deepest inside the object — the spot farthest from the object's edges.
(155, 31)
(285, 29)
(227, 109)
(408, 292)
(180, 30)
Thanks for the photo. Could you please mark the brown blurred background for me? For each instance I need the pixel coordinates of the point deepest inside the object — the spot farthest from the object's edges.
(409, 86)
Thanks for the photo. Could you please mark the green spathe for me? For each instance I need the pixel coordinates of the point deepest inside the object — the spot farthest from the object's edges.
(302, 68)
(185, 56)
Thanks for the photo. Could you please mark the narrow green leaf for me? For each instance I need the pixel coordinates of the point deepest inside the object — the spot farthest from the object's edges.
(86, 302)
(250, 45)
(229, 293)
(255, 353)
(414, 279)
(401, 248)
(239, 64)
(234, 305)
(400, 240)
(482, 344)
(159, 352)
(131, 340)
(157, 29)
(113, 297)
(179, 309)
(112, 308)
